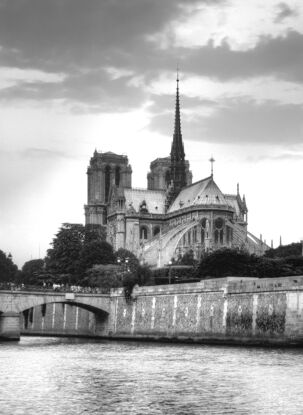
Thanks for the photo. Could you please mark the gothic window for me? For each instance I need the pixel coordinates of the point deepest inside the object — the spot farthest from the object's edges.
(107, 182)
(156, 230)
(143, 232)
(219, 236)
(195, 234)
(202, 235)
(203, 223)
(219, 223)
(167, 178)
(117, 175)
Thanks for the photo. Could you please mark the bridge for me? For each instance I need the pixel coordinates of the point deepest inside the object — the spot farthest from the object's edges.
(13, 303)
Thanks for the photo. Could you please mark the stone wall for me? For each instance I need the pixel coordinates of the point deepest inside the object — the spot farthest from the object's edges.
(227, 310)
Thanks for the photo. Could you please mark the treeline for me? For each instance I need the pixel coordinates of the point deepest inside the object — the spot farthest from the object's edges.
(80, 255)
(229, 262)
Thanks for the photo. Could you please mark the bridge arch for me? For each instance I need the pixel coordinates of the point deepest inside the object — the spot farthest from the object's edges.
(18, 301)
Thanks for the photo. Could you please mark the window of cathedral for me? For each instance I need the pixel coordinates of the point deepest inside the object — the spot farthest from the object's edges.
(117, 175)
(167, 178)
(143, 232)
(156, 230)
(219, 236)
(107, 182)
(219, 223)
(203, 223)
(202, 235)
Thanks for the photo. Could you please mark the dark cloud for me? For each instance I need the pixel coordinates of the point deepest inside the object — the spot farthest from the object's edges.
(281, 57)
(81, 39)
(284, 11)
(68, 34)
(241, 122)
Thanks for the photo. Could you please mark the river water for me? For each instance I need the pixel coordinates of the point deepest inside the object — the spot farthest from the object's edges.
(67, 376)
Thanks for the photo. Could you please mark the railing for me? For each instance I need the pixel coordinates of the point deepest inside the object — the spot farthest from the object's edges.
(51, 288)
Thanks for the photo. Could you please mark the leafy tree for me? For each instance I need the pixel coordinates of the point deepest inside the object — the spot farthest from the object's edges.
(127, 260)
(76, 248)
(8, 270)
(63, 257)
(104, 277)
(95, 252)
(294, 249)
(31, 271)
(226, 262)
(188, 258)
(94, 232)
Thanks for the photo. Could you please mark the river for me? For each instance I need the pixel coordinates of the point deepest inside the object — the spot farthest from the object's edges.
(41, 375)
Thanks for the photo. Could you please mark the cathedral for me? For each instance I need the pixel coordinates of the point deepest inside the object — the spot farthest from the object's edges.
(173, 215)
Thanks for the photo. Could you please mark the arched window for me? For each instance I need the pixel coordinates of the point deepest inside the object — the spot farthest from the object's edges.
(143, 232)
(117, 175)
(167, 178)
(107, 182)
(156, 230)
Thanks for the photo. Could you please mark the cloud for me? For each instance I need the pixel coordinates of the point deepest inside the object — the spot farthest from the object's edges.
(240, 121)
(42, 153)
(284, 11)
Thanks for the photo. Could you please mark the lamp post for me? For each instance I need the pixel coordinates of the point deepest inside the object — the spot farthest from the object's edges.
(302, 246)
(124, 263)
(169, 272)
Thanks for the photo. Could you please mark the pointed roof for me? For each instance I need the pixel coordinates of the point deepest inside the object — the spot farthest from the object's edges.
(204, 192)
(177, 149)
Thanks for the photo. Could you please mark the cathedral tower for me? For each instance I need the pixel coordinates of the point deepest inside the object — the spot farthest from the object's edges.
(105, 170)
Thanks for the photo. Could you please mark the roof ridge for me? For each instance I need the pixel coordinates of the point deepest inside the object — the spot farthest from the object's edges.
(141, 189)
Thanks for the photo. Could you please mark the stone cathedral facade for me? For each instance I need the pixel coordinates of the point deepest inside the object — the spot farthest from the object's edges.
(170, 217)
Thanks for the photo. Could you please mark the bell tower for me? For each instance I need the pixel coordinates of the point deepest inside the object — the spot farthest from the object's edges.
(105, 170)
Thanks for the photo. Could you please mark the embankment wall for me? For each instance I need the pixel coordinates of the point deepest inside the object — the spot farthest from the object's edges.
(227, 310)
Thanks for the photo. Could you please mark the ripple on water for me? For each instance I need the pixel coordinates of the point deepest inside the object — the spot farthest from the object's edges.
(72, 376)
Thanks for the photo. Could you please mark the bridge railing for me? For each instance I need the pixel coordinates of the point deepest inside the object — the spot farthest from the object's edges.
(8, 286)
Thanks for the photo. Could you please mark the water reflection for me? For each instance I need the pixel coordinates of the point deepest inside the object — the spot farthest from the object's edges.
(76, 376)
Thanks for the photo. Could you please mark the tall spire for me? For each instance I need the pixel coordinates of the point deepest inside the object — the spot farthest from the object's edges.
(177, 149)
(177, 155)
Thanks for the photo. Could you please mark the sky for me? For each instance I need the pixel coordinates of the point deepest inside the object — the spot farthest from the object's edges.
(78, 75)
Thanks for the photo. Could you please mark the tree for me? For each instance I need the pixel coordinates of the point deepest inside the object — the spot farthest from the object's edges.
(294, 249)
(95, 252)
(127, 259)
(8, 270)
(225, 262)
(63, 257)
(31, 271)
(104, 277)
(76, 248)
(188, 258)
(94, 232)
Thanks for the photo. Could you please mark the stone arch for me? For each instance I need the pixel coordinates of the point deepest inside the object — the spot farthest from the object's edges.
(144, 232)
(17, 301)
(156, 230)
(87, 307)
